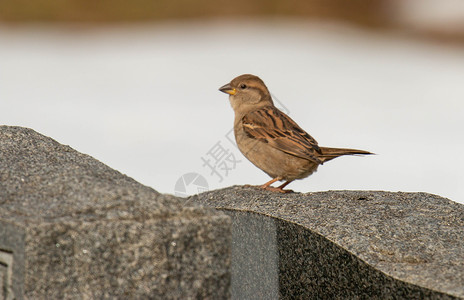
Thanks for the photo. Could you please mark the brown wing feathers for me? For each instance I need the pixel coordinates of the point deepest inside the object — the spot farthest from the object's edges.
(271, 126)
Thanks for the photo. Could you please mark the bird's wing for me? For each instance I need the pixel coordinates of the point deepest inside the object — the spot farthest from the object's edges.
(275, 128)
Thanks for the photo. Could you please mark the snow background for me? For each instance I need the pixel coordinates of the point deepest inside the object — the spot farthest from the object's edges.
(144, 98)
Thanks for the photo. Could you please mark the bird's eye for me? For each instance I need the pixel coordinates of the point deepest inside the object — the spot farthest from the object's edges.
(243, 86)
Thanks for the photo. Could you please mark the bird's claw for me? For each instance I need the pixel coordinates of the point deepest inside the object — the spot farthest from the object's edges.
(276, 189)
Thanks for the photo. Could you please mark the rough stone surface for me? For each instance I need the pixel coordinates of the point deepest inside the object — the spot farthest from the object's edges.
(255, 242)
(77, 229)
(351, 244)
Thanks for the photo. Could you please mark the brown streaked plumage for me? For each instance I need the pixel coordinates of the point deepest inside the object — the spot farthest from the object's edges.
(270, 139)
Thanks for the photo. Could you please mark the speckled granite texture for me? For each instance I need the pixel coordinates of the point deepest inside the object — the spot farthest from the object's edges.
(347, 244)
(73, 228)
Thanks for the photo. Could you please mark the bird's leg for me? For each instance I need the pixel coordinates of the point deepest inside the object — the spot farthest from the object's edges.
(267, 184)
(284, 185)
(281, 187)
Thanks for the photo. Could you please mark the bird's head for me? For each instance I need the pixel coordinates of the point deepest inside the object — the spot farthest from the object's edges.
(247, 92)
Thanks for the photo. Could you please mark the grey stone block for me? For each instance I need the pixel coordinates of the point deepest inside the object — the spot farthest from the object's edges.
(255, 268)
(73, 228)
(344, 244)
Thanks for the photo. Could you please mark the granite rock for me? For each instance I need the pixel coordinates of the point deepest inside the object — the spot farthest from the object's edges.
(73, 228)
(343, 244)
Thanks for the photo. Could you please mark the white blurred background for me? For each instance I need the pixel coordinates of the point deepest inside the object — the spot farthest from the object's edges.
(143, 97)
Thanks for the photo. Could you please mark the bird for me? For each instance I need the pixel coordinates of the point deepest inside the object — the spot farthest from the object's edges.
(270, 139)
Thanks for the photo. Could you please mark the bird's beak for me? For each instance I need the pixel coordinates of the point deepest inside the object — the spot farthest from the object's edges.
(227, 89)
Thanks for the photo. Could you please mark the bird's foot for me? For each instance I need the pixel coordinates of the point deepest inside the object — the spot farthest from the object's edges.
(275, 189)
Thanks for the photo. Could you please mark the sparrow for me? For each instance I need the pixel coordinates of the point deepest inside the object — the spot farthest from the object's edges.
(270, 139)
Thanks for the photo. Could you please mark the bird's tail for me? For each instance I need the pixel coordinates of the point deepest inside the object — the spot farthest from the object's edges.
(331, 153)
